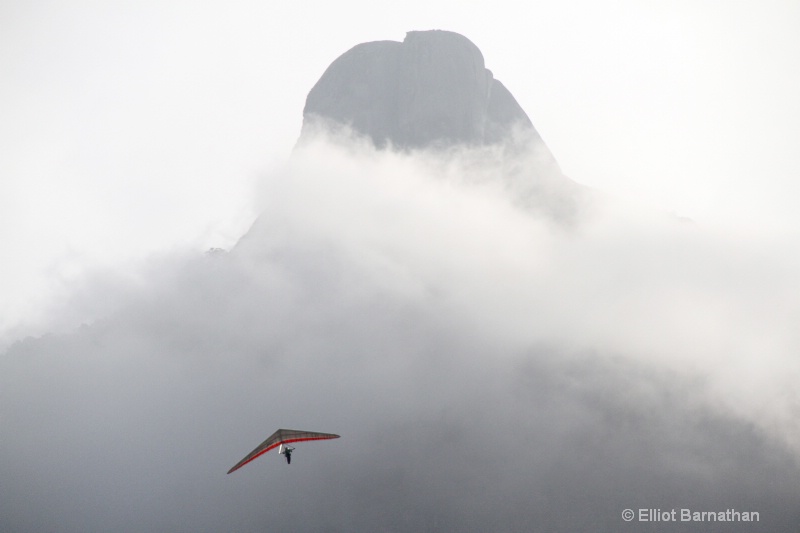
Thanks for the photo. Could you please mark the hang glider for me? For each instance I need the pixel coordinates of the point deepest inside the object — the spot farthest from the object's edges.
(282, 438)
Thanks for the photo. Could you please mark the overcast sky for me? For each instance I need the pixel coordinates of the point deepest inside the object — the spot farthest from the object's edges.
(136, 127)
(487, 368)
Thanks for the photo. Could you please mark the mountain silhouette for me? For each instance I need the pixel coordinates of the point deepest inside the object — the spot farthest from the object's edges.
(431, 89)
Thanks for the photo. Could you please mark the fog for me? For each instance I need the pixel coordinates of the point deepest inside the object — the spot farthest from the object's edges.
(491, 364)
(136, 127)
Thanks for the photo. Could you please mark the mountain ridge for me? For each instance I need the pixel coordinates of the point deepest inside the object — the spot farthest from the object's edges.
(432, 89)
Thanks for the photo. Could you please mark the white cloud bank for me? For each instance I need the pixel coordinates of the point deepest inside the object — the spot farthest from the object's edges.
(489, 366)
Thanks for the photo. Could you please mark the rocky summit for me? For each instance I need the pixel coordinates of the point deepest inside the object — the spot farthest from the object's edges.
(432, 89)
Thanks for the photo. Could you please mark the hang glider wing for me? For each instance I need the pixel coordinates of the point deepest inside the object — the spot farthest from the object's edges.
(282, 436)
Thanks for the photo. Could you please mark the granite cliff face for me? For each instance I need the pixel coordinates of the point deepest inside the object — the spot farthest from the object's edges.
(431, 89)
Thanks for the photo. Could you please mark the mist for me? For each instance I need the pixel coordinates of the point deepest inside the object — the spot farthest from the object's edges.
(499, 350)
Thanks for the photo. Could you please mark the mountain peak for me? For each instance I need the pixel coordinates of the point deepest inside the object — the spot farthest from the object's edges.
(432, 89)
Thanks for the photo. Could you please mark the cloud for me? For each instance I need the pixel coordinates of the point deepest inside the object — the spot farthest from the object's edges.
(490, 366)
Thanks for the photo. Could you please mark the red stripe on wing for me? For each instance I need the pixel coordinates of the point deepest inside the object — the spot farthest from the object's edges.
(275, 445)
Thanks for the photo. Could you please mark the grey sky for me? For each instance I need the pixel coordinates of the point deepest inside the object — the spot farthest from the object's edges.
(486, 368)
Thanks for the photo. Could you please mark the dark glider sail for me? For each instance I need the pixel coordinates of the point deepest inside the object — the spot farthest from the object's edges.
(282, 436)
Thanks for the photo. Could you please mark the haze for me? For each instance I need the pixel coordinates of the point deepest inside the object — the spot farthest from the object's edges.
(133, 128)
(489, 366)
